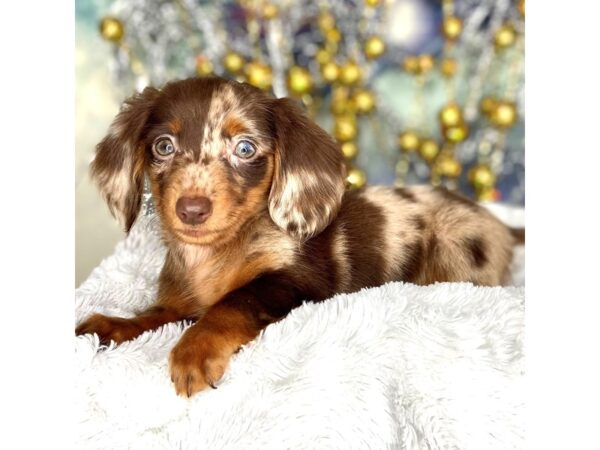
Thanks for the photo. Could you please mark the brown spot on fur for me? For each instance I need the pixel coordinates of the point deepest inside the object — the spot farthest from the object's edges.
(518, 234)
(477, 250)
(418, 222)
(364, 226)
(405, 194)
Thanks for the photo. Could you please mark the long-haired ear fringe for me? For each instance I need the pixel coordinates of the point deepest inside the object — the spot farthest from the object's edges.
(118, 167)
(308, 183)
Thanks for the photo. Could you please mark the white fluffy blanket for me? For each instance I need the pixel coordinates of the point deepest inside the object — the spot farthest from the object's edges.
(397, 366)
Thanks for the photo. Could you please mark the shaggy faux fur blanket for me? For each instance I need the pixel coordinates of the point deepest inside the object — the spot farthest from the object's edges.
(398, 366)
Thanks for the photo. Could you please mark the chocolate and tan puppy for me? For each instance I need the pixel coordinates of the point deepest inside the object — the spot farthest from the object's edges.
(254, 212)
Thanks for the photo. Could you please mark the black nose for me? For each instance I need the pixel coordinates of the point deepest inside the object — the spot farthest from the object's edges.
(193, 210)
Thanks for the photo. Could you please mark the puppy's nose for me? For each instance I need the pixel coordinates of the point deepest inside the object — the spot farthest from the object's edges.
(193, 210)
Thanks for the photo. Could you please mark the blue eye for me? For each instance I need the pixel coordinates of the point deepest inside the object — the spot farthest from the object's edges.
(164, 147)
(245, 149)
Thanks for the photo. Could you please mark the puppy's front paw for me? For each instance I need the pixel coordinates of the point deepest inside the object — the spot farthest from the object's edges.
(196, 363)
(109, 328)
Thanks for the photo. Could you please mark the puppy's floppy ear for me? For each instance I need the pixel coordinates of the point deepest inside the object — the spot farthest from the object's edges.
(118, 167)
(308, 182)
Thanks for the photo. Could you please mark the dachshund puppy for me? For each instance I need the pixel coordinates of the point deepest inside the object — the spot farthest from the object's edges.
(253, 209)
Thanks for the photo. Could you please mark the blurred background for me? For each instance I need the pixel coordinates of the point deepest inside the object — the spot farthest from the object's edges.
(415, 91)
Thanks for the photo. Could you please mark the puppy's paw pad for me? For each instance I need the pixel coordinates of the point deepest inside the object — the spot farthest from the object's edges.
(193, 371)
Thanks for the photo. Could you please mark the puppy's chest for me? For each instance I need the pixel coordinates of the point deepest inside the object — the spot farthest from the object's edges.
(217, 276)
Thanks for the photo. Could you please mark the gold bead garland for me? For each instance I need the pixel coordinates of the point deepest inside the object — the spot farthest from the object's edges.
(448, 67)
(364, 101)
(112, 29)
(330, 71)
(356, 178)
(451, 28)
(349, 150)
(425, 63)
(343, 69)
(259, 75)
(450, 115)
(299, 80)
(270, 11)
(350, 73)
(482, 177)
(504, 114)
(204, 66)
(233, 62)
(345, 127)
(374, 47)
(505, 36)
(408, 141)
(323, 56)
(446, 165)
(411, 64)
(429, 150)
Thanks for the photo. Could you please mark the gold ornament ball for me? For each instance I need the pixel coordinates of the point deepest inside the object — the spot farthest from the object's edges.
(411, 64)
(408, 141)
(488, 105)
(450, 115)
(330, 71)
(203, 66)
(350, 73)
(425, 63)
(356, 178)
(487, 195)
(349, 150)
(333, 35)
(340, 101)
(233, 62)
(112, 29)
(505, 36)
(259, 75)
(345, 128)
(446, 165)
(364, 101)
(456, 133)
(299, 80)
(323, 56)
(429, 149)
(482, 177)
(448, 67)
(326, 21)
(522, 7)
(372, 3)
(270, 11)
(374, 47)
(504, 115)
(451, 27)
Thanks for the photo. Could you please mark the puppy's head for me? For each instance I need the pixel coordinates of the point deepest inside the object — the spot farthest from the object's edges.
(217, 154)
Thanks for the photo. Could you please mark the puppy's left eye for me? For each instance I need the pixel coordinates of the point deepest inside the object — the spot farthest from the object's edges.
(244, 149)
(164, 147)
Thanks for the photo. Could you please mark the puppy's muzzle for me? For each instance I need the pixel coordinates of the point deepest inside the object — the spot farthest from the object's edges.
(193, 210)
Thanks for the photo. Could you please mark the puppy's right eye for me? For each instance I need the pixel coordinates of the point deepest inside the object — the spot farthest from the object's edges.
(164, 147)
